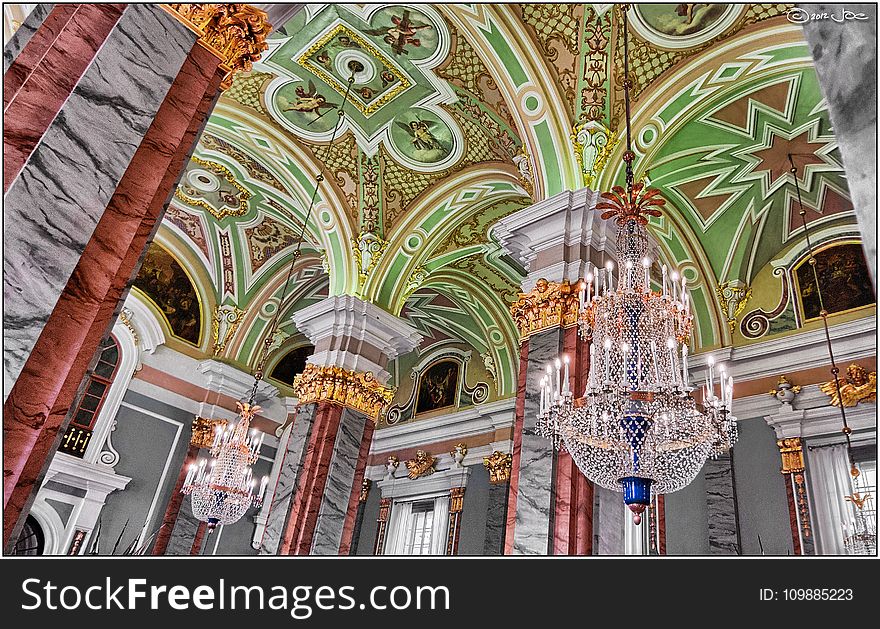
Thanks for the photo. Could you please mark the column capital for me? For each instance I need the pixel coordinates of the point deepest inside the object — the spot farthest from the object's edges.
(354, 389)
(548, 304)
(556, 237)
(234, 33)
(355, 335)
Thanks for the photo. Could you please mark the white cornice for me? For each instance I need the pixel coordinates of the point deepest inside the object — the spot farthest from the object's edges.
(91, 477)
(477, 420)
(852, 340)
(347, 316)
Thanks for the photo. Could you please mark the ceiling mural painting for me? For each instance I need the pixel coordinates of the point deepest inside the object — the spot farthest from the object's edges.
(461, 114)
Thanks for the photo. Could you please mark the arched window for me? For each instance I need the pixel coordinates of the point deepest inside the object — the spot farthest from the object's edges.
(79, 431)
(31, 540)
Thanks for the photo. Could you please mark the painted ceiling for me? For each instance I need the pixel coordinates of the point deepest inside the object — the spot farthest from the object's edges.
(459, 114)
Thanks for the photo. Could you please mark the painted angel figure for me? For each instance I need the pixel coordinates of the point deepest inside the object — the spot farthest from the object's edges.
(310, 101)
(422, 137)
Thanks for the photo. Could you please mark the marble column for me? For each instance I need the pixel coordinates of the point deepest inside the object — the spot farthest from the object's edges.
(609, 519)
(354, 340)
(291, 448)
(550, 504)
(845, 56)
(499, 465)
(104, 107)
(721, 507)
(172, 510)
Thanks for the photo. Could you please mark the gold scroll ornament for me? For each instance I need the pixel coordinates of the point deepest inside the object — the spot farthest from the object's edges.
(235, 33)
(548, 305)
(421, 465)
(354, 389)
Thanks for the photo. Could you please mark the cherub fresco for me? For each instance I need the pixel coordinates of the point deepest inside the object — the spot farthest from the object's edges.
(401, 34)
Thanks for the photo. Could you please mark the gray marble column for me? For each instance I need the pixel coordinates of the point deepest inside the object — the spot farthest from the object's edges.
(340, 480)
(496, 516)
(845, 54)
(24, 33)
(291, 466)
(534, 499)
(608, 521)
(184, 533)
(52, 207)
(721, 507)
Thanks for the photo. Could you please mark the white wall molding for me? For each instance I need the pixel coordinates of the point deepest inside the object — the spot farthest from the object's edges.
(439, 482)
(470, 422)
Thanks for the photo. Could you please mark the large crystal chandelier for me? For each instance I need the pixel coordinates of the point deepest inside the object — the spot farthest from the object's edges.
(223, 490)
(641, 425)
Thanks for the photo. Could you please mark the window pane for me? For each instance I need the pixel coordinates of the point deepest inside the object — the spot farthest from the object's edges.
(111, 355)
(96, 388)
(104, 370)
(83, 418)
(90, 403)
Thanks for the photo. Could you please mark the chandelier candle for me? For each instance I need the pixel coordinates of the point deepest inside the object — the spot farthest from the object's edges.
(639, 429)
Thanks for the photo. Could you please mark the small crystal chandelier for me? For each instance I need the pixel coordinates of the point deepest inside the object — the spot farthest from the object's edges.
(223, 490)
(638, 428)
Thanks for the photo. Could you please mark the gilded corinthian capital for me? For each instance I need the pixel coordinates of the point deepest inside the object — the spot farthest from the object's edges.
(235, 33)
(547, 305)
(356, 390)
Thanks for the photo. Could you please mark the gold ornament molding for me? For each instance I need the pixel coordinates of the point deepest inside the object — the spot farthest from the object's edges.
(354, 389)
(548, 305)
(456, 499)
(733, 297)
(223, 325)
(234, 33)
(792, 452)
(203, 431)
(499, 465)
(421, 465)
(365, 490)
(857, 386)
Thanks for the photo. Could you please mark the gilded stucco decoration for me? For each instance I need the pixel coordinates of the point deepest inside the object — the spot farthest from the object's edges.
(353, 389)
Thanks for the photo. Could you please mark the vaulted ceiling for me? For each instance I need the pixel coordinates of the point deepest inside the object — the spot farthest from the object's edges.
(464, 113)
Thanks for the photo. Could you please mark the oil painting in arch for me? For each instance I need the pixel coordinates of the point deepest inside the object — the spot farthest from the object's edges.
(169, 288)
(844, 280)
(438, 386)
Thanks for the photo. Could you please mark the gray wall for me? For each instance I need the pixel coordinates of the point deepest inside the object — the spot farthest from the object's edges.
(760, 491)
(369, 524)
(144, 444)
(687, 519)
(474, 511)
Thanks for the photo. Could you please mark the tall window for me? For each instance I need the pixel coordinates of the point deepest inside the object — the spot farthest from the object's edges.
(420, 530)
(79, 431)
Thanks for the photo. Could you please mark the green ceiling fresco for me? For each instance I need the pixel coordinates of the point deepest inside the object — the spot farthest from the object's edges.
(464, 113)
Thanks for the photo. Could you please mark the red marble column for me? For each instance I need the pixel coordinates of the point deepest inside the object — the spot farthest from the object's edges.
(41, 77)
(519, 411)
(356, 488)
(661, 524)
(573, 522)
(298, 534)
(174, 504)
(793, 516)
(197, 540)
(36, 409)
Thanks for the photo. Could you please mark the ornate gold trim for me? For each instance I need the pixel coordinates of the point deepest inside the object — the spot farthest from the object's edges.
(230, 317)
(421, 465)
(365, 490)
(354, 389)
(499, 465)
(547, 305)
(733, 297)
(125, 319)
(225, 173)
(792, 452)
(203, 431)
(234, 33)
(456, 499)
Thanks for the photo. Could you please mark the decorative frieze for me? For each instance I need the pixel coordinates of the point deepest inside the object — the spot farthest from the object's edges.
(548, 304)
(353, 389)
(499, 465)
(234, 33)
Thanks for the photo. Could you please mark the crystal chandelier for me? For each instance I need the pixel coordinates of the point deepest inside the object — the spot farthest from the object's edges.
(641, 426)
(223, 490)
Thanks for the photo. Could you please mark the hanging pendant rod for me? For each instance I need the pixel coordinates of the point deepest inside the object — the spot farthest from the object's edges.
(355, 67)
(823, 313)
